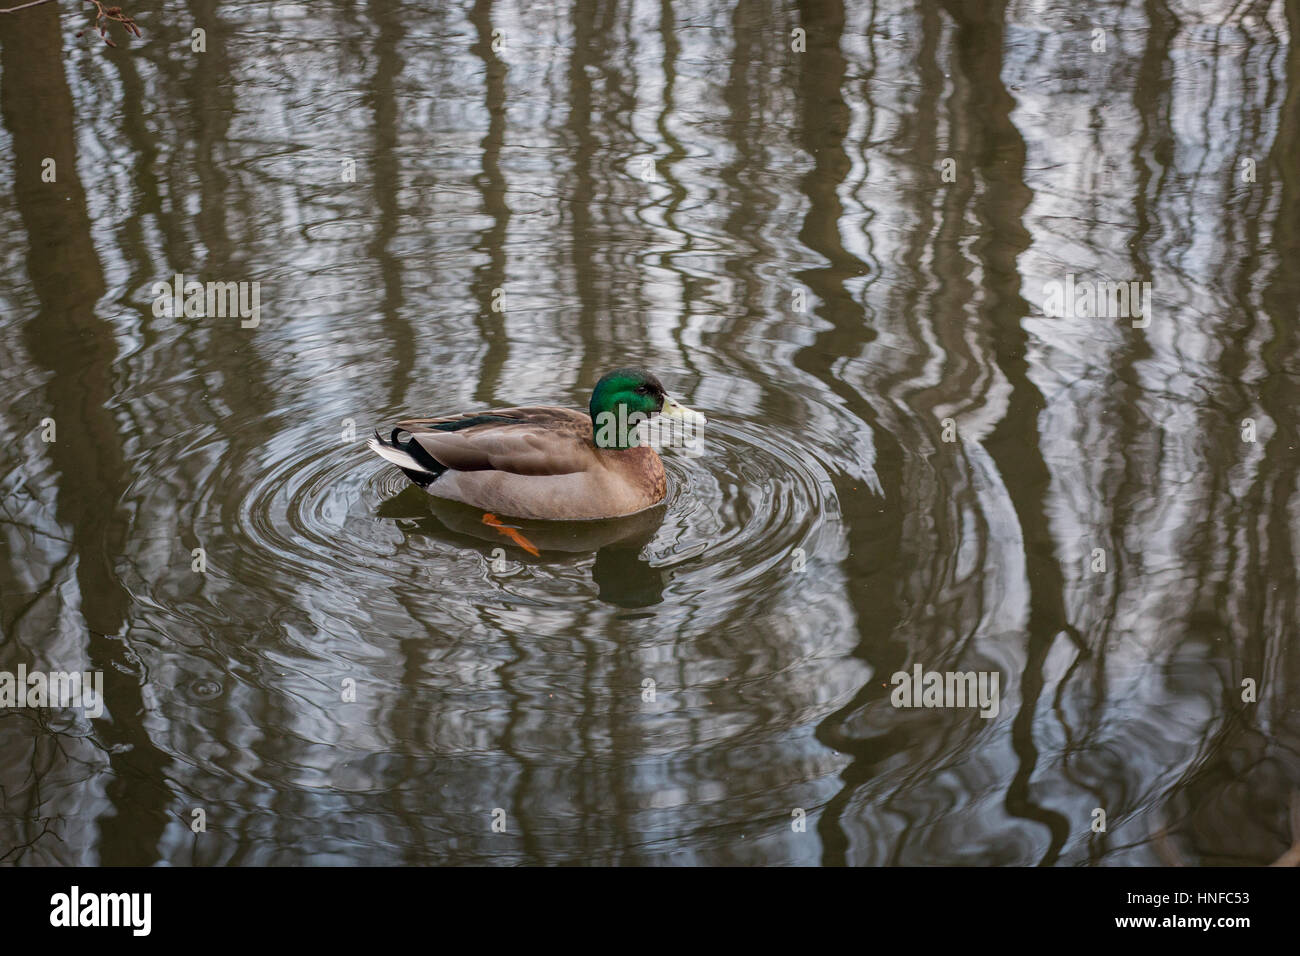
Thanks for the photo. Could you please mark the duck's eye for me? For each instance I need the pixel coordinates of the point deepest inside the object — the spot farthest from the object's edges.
(642, 389)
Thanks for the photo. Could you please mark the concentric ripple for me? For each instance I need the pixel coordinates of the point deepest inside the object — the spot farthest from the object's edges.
(307, 514)
(330, 566)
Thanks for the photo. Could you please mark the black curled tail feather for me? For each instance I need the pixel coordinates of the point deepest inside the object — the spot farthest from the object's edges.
(424, 470)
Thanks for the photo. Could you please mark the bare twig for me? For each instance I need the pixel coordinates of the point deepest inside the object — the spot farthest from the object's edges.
(103, 16)
(24, 6)
(117, 15)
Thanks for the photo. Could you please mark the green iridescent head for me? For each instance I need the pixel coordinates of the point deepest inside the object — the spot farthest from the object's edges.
(626, 396)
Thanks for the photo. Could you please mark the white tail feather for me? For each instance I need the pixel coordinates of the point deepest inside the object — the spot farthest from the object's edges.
(397, 456)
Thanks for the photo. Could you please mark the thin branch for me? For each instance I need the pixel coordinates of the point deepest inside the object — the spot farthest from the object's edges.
(24, 6)
(116, 14)
(103, 16)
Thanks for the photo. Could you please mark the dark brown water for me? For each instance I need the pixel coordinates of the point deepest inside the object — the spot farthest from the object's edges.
(907, 461)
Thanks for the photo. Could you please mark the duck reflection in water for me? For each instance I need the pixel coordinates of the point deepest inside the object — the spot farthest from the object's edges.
(623, 577)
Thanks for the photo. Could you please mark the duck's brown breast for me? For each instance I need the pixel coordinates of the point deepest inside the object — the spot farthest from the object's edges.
(640, 473)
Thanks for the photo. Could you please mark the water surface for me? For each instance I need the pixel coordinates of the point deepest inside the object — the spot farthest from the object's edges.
(907, 461)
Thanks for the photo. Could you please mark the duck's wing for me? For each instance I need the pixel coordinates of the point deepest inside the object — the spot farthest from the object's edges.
(539, 440)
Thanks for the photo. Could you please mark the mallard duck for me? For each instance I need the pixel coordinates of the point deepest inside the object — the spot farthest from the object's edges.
(544, 462)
